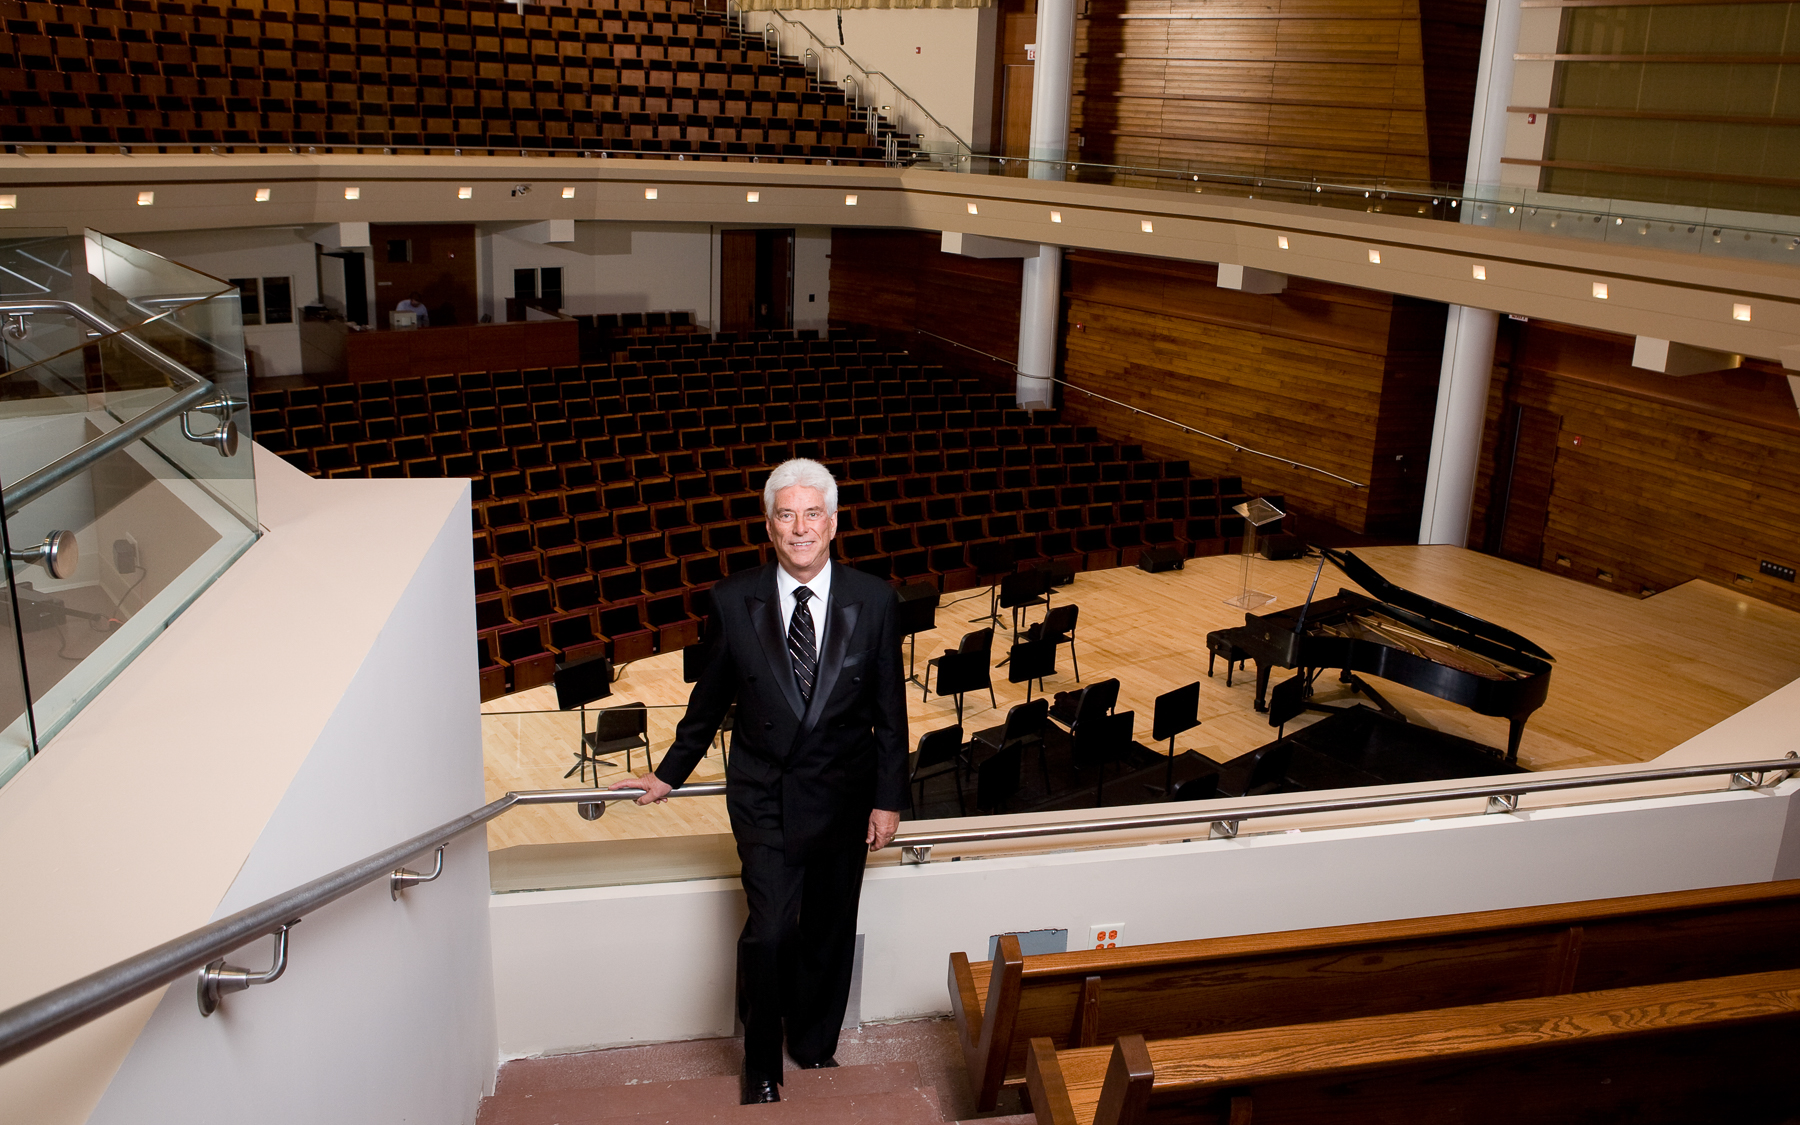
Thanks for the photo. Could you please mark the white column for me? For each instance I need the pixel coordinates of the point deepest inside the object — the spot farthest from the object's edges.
(1469, 333)
(1040, 316)
(1456, 435)
(1040, 288)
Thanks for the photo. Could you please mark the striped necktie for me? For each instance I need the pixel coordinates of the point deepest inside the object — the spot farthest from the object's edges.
(802, 644)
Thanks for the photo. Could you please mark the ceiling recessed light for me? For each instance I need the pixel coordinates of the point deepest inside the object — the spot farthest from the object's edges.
(1281, 241)
(1056, 216)
(352, 193)
(753, 197)
(1740, 312)
(849, 201)
(146, 198)
(1375, 257)
(1600, 290)
(1146, 227)
(8, 202)
(465, 193)
(568, 193)
(1480, 273)
(972, 210)
(649, 193)
(262, 195)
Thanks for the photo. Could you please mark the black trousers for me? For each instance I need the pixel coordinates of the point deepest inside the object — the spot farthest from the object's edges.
(797, 952)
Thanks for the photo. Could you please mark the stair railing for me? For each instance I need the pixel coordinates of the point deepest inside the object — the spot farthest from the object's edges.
(60, 1011)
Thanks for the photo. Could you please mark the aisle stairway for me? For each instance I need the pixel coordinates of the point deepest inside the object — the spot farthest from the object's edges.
(896, 1074)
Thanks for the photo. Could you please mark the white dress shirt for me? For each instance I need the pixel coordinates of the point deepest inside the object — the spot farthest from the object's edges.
(786, 584)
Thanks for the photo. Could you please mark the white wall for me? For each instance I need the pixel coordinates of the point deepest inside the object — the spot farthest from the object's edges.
(682, 934)
(306, 710)
(812, 278)
(934, 54)
(251, 252)
(609, 268)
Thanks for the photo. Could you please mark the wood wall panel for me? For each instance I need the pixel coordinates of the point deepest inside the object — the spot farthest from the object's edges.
(1326, 88)
(1649, 489)
(1329, 375)
(898, 281)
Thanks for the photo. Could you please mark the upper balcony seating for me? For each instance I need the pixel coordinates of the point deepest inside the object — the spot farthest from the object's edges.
(336, 76)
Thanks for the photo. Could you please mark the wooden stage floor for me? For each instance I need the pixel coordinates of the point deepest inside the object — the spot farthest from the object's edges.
(1633, 678)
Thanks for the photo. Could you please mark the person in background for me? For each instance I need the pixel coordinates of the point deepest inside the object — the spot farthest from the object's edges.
(415, 305)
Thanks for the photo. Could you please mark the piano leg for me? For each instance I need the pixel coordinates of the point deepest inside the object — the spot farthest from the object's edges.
(1262, 686)
(1516, 731)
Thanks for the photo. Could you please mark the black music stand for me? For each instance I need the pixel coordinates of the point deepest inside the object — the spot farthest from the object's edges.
(1028, 661)
(918, 614)
(1177, 712)
(1023, 589)
(577, 685)
(959, 672)
(991, 560)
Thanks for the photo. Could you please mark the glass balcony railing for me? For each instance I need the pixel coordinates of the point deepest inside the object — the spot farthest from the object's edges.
(125, 467)
(1695, 230)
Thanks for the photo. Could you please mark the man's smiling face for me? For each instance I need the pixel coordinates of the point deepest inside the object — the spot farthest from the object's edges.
(802, 530)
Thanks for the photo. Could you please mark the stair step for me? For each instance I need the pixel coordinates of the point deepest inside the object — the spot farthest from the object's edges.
(885, 1094)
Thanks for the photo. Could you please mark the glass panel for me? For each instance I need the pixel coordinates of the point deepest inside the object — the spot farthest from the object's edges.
(125, 459)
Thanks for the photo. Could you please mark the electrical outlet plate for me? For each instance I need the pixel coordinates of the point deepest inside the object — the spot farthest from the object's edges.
(1105, 935)
(1776, 570)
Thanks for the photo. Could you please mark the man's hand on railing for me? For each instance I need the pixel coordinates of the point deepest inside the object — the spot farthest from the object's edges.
(656, 791)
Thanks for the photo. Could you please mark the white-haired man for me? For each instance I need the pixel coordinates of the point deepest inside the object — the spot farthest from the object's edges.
(810, 652)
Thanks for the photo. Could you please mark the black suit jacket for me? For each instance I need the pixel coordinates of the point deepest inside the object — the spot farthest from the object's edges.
(800, 778)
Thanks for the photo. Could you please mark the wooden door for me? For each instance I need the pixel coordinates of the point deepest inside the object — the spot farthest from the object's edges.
(434, 260)
(1015, 110)
(737, 281)
(756, 280)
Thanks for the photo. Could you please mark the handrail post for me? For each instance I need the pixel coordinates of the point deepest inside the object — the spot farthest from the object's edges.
(218, 978)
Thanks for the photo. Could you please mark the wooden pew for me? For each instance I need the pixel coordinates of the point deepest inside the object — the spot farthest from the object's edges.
(1212, 985)
(1702, 1050)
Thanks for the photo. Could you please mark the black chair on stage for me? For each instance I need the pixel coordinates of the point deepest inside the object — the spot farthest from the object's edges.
(993, 561)
(1028, 661)
(997, 778)
(1023, 728)
(621, 729)
(964, 670)
(939, 752)
(578, 684)
(1177, 712)
(1058, 628)
(1074, 707)
(918, 614)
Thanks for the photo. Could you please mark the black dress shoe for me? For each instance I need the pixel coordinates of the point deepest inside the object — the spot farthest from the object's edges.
(827, 1061)
(758, 1091)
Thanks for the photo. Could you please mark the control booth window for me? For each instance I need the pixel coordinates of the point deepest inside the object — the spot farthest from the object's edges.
(266, 300)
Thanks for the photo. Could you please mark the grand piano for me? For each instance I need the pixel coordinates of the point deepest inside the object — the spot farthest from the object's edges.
(1396, 635)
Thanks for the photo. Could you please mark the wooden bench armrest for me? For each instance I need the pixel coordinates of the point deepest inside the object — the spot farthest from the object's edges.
(1125, 1098)
(965, 1008)
(1044, 1080)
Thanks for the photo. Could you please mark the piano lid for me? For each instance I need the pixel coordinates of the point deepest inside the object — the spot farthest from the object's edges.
(1371, 580)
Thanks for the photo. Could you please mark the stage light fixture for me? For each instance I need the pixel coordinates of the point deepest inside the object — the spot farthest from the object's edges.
(262, 195)
(1740, 312)
(1145, 226)
(973, 210)
(753, 197)
(849, 201)
(1281, 241)
(146, 198)
(465, 193)
(1600, 290)
(1375, 257)
(568, 193)
(352, 193)
(1480, 273)
(9, 202)
(649, 193)
(1056, 216)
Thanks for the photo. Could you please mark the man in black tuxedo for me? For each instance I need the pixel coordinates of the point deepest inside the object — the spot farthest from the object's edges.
(810, 652)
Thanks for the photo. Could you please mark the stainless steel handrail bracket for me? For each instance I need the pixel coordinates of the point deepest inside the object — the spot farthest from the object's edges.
(401, 879)
(218, 978)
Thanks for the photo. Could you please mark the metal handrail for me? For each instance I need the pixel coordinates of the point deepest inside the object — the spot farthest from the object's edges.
(1236, 446)
(198, 389)
(1502, 797)
(55, 1013)
(60, 1011)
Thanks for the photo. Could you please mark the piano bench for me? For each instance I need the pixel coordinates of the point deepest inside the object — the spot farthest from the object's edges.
(1221, 642)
